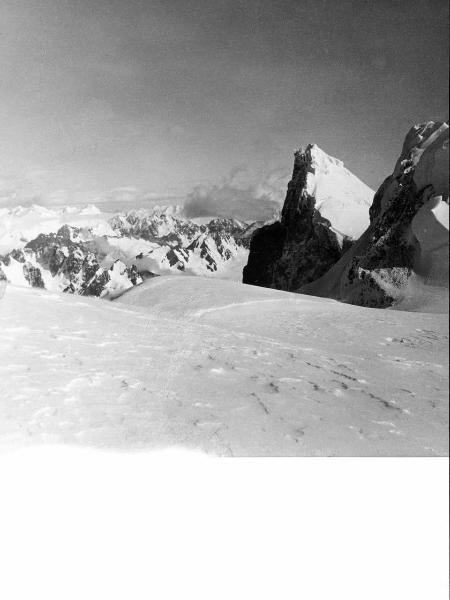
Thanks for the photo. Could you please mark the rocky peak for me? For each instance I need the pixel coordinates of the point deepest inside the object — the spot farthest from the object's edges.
(78, 259)
(325, 209)
(153, 227)
(406, 244)
(65, 262)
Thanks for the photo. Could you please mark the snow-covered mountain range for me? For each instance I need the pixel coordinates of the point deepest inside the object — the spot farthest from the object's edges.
(226, 368)
(21, 224)
(334, 238)
(90, 252)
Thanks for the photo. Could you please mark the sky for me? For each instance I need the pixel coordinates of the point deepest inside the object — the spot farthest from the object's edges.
(149, 101)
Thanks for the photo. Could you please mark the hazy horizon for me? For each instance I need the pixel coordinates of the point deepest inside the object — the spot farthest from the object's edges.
(142, 102)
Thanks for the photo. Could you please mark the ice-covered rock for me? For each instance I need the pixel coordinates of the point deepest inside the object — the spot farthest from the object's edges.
(171, 244)
(326, 209)
(82, 259)
(402, 258)
(65, 261)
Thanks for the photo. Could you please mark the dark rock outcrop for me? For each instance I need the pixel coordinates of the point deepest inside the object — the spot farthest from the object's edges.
(71, 263)
(188, 246)
(87, 260)
(303, 245)
(406, 242)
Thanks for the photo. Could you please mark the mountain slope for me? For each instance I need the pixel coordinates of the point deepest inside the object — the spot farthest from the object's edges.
(225, 368)
(402, 258)
(68, 261)
(326, 208)
(134, 245)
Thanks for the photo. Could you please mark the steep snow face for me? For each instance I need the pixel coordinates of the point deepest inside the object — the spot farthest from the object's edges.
(326, 208)
(224, 368)
(402, 258)
(341, 198)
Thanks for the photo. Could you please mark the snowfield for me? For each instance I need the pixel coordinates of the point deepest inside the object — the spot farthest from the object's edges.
(223, 368)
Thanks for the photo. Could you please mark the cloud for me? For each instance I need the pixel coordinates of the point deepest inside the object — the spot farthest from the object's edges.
(30, 189)
(240, 194)
(31, 186)
(236, 197)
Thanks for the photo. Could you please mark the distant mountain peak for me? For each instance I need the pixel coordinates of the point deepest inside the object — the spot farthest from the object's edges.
(111, 255)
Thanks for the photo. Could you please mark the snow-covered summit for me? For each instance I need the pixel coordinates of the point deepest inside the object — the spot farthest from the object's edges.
(341, 197)
(326, 208)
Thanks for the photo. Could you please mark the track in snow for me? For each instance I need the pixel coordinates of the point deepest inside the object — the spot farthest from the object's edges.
(222, 367)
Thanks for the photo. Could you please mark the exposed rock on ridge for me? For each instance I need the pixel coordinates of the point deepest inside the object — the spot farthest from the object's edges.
(120, 253)
(326, 208)
(403, 255)
(185, 246)
(65, 262)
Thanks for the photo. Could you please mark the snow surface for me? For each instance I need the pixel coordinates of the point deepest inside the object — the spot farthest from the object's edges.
(341, 197)
(224, 368)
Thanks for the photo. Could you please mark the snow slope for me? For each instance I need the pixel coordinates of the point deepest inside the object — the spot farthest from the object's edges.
(401, 260)
(341, 197)
(224, 368)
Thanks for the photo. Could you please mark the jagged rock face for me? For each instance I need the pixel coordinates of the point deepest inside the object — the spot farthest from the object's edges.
(189, 247)
(63, 261)
(175, 232)
(306, 241)
(136, 246)
(231, 228)
(158, 228)
(407, 240)
(64, 254)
